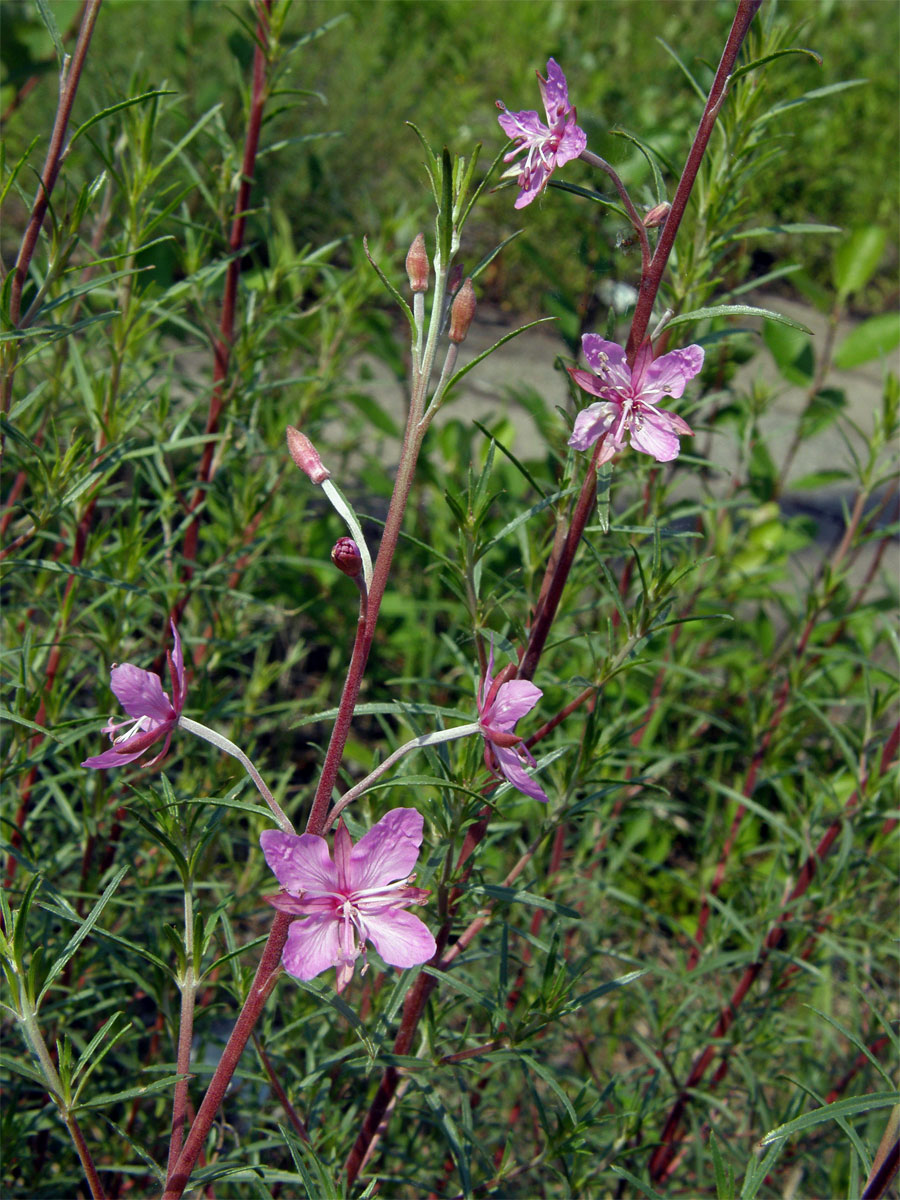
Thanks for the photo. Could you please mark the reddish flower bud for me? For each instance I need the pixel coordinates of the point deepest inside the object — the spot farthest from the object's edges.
(306, 456)
(346, 557)
(462, 312)
(657, 215)
(417, 264)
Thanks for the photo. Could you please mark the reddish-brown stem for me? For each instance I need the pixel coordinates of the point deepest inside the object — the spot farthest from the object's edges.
(664, 1156)
(558, 572)
(56, 152)
(225, 340)
(652, 278)
(180, 1099)
(762, 749)
(263, 982)
(292, 1116)
(87, 1163)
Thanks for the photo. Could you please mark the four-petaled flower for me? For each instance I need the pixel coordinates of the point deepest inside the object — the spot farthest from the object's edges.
(152, 715)
(500, 705)
(629, 398)
(360, 896)
(549, 146)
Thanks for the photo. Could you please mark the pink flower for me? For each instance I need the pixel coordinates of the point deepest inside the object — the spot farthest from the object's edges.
(549, 146)
(141, 695)
(630, 396)
(500, 705)
(360, 896)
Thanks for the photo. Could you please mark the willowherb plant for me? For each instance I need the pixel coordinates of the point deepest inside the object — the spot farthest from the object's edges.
(584, 947)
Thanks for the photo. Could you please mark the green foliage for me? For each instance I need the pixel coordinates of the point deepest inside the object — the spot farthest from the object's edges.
(726, 660)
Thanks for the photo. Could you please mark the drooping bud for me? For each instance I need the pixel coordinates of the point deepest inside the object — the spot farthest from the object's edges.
(417, 264)
(306, 456)
(462, 312)
(657, 215)
(346, 557)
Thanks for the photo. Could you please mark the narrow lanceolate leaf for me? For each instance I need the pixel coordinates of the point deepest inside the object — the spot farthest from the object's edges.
(735, 310)
(506, 338)
(114, 108)
(81, 933)
(761, 62)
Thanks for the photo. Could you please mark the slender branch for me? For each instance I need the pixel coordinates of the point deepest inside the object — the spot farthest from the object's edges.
(225, 341)
(651, 279)
(640, 229)
(663, 1157)
(188, 987)
(225, 744)
(559, 571)
(264, 981)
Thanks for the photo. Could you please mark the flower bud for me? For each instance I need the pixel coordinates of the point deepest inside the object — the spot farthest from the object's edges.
(346, 557)
(306, 456)
(417, 264)
(657, 215)
(462, 312)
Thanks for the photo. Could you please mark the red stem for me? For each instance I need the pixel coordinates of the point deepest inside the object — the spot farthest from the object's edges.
(663, 1156)
(263, 982)
(651, 280)
(222, 349)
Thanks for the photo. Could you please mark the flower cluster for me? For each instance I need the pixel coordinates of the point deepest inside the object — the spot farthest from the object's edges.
(629, 398)
(360, 896)
(153, 715)
(500, 705)
(548, 146)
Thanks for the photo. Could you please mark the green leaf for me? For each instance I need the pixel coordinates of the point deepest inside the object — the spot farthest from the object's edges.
(792, 352)
(114, 108)
(767, 58)
(47, 17)
(875, 338)
(83, 930)
(135, 1093)
(857, 259)
(490, 350)
(659, 186)
(735, 310)
(823, 408)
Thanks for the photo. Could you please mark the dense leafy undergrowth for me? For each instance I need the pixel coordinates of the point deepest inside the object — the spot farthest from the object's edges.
(689, 947)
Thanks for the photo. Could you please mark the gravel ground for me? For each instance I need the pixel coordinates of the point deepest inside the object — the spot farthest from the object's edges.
(527, 363)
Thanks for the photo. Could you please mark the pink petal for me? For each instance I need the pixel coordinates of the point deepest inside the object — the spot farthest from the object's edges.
(655, 438)
(590, 423)
(176, 666)
(140, 692)
(572, 143)
(388, 852)
(677, 424)
(525, 125)
(668, 374)
(593, 384)
(535, 184)
(110, 758)
(512, 769)
(607, 359)
(400, 938)
(554, 91)
(313, 945)
(300, 863)
(513, 700)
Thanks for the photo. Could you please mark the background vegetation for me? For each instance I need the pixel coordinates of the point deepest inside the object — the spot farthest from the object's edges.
(741, 661)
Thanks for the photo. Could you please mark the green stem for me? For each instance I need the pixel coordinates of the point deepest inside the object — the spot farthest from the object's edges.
(188, 985)
(223, 743)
